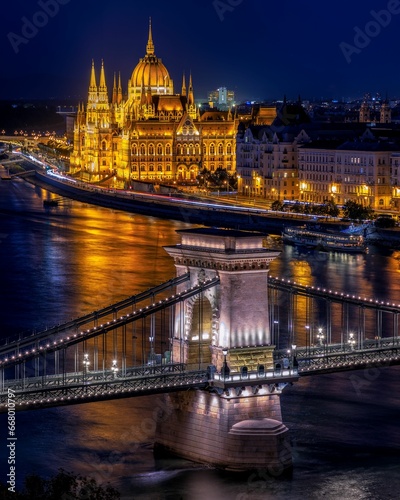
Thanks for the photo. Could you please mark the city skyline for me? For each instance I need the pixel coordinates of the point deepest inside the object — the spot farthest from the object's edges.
(262, 52)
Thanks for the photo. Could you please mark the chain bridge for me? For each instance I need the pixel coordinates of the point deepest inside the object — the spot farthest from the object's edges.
(222, 331)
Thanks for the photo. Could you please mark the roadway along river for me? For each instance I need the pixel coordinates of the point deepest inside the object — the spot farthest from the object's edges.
(62, 262)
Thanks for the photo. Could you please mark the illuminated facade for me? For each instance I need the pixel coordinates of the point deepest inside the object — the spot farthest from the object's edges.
(267, 164)
(150, 133)
(364, 172)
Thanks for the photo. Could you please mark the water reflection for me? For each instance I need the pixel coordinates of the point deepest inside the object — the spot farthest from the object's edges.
(60, 264)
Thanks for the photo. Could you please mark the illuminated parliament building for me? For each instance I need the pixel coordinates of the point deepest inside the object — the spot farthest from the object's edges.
(149, 132)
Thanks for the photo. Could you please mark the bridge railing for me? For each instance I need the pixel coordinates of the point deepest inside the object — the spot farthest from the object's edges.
(89, 376)
(76, 392)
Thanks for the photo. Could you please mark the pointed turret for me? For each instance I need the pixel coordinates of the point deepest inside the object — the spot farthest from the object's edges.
(93, 95)
(119, 93)
(150, 44)
(102, 77)
(183, 85)
(93, 84)
(114, 93)
(190, 94)
(103, 92)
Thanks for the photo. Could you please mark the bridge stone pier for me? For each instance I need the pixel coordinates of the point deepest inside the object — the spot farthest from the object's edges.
(236, 423)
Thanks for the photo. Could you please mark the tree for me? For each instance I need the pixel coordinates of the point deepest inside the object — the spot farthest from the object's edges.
(356, 211)
(330, 208)
(64, 485)
(385, 222)
(277, 205)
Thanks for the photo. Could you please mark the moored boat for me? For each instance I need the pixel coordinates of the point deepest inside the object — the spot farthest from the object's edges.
(325, 241)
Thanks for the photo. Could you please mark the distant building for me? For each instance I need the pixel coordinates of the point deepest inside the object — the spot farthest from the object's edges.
(375, 113)
(359, 171)
(296, 159)
(221, 98)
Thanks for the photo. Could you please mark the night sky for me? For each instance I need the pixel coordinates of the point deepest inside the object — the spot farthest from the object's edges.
(262, 49)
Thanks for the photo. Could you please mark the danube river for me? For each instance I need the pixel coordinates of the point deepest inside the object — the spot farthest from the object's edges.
(62, 262)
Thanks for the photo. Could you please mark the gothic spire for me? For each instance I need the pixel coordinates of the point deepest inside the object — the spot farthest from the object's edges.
(190, 91)
(183, 84)
(102, 85)
(93, 84)
(119, 95)
(150, 44)
(114, 92)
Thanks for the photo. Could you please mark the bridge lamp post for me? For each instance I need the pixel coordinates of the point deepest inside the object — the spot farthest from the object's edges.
(225, 367)
(352, 341)
(308, 336)
(320, 336)
(86, 364)
(275, 332)
(151, 340)
(114, 368)
(294, 359)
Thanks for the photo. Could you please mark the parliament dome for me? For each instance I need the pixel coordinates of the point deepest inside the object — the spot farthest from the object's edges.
(151, 72)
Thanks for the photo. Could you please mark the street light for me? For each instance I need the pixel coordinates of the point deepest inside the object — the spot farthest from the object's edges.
(86, 364)
(275, 331)
(295, 363)
(225, 367)
(114, 367)
(352, 341)
(320, 336)
(151, 340)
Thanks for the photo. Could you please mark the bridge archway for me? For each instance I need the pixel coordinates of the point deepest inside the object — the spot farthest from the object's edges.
(239, 303)
(200, 333)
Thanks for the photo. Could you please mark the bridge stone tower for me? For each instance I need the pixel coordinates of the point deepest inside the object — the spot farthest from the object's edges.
(235, 425)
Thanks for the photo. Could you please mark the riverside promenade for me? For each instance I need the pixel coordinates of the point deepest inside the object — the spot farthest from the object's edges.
(234, 212)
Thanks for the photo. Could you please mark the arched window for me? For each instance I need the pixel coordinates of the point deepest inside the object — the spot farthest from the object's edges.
(159, 168)
(168, 149)
(168, 168)
(151, 149)
(229, 149)
(151, 168)
(143, 168)
(103, 145)
(220, 149)
(159, 149)
(134, 149)
(212, 149)
(142, 149)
